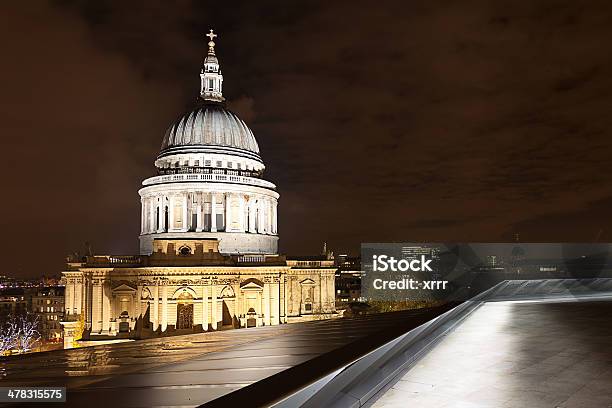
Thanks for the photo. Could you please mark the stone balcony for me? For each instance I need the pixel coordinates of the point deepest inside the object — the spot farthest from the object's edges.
(209, 178)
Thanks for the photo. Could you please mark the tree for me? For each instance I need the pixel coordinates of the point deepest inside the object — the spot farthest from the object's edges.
(28, 334)
(78, 331)
(18, 333)
(9, 335)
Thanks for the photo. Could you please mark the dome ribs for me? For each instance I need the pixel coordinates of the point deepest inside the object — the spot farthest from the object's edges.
(210, 125)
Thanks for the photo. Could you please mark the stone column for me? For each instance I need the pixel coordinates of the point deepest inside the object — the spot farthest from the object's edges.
(251, 214)
(264, 205)
(266, 300)
(171, 223)
(228, 217)
(151, 215)
(88, 303)
(214, 317)
(155, 312)
(264, 212)
(147, 216)
(260, 310)
(137, 302)
(244, 305)
(143, 211)
(276, 304)
(107, 309)
(242, 227)
(68, 295)
(199, 218)
(185, 214)
(260, 218)
(78, 293)
(268, 216)
(96, 306)
(285, 284)
(204, 307)
(213, 213)
(164, 309)
(160, 215)
(274, 217)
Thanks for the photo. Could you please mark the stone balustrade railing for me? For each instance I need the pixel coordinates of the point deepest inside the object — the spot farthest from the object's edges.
(100, 260)
(214, 178)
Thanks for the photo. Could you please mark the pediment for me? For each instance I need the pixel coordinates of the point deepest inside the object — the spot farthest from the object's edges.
(124, 288)
(252, 284)
(307, 281)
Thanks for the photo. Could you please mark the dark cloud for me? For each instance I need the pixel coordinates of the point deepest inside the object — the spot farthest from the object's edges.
(418, 120)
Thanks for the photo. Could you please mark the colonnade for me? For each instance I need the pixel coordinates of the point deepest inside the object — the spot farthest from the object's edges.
(208, 212)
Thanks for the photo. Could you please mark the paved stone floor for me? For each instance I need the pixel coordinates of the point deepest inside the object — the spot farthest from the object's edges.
(185, 370)
(517, 354)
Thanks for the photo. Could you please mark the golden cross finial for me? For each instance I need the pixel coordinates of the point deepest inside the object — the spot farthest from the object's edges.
(211, 35)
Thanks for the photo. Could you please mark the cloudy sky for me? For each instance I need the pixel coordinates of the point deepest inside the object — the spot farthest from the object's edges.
(378, 121)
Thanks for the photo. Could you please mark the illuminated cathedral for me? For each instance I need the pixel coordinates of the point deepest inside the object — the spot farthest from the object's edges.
(208, 243)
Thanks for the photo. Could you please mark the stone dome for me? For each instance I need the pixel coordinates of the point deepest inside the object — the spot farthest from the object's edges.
(209, 127)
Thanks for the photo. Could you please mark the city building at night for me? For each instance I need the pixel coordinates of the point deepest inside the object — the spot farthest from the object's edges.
(208, 243)
(48, 305)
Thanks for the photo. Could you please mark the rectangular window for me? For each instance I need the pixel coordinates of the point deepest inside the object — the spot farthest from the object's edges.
(219, 163)
(207, 163)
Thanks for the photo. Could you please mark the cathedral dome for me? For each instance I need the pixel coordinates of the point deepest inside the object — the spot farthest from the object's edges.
(207, 127)
(209, 183)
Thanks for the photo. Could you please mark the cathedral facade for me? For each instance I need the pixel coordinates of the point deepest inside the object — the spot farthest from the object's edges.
(208, 244)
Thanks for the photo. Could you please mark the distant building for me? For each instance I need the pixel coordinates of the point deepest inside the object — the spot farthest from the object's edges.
(348, 279)
(48, 305)
(429, 252)
(12, 305)
(415, 252)
(493, 261)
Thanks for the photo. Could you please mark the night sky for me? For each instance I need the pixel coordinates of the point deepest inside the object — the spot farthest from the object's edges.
(378, 121)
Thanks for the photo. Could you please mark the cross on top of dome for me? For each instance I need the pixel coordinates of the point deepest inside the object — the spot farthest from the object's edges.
(211, 82)
(211, 43)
